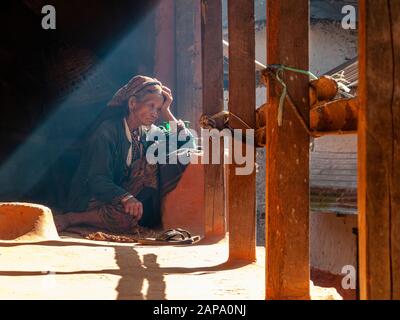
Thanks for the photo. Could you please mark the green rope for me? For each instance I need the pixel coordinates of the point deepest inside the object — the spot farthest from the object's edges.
(306, 72)
(279, 75)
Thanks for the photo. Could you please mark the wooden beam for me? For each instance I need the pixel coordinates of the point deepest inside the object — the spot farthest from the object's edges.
(379, 149)
(241, 188)
(188, 61)
(212, 71)
(287, 161)
(335, 115)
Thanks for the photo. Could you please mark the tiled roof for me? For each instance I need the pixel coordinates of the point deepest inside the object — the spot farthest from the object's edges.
(333, 163)
(334, 169)
(333, 176)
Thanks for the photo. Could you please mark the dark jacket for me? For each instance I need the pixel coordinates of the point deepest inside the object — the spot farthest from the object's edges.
(102, 167)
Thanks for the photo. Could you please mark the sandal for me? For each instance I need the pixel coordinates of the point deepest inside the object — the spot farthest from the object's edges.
(175, 236)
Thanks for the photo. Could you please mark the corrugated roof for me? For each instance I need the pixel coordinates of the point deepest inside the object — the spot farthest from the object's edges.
(347, 71)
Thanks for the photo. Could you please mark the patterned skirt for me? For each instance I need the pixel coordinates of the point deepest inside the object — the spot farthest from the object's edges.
(148, 183)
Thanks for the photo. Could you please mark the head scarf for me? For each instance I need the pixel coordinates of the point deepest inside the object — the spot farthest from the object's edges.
(121, 97)
(134, 86)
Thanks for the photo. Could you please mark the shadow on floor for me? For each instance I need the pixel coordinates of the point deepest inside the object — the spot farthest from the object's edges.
(328, 280)
(140, 279)
(136, 275)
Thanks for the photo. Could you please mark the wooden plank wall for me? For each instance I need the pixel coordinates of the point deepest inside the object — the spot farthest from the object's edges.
(241, 188)
(188, 61)
(379, 149)
(164, 52)
(287, 161)
(212, 75)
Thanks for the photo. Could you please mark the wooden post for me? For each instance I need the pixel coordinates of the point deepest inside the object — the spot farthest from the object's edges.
(212, 70)
(287, 161)
(379, 149)
(241, 188)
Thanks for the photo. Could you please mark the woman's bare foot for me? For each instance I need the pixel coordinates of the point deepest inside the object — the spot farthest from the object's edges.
(62, 222)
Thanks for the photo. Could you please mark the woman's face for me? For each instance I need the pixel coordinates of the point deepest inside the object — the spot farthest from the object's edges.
(148, 109)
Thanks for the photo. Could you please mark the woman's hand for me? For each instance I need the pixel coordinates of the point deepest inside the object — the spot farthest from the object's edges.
(165, 111)
(133, 207)
(167, 99)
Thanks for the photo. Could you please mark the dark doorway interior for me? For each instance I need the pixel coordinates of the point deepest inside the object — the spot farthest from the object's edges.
(54, 85)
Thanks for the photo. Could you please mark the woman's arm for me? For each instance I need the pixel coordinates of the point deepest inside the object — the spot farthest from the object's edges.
(168, 116)
(166, 111)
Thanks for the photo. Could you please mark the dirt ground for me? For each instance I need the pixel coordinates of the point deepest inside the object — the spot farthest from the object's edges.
(74, 268)
(81, 269)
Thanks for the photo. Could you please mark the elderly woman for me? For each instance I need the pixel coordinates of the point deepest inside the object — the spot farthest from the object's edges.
(115, 188)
